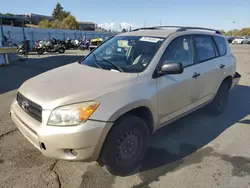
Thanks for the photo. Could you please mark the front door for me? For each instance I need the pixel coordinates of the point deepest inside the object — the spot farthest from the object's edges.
(177, 93)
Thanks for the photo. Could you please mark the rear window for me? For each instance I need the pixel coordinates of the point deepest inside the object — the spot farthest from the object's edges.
(221, 45)
(204, 47)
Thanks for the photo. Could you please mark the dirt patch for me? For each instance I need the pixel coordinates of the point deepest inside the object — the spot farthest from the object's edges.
(168, 162)
(241, 165)
(97, 177)
(171, 162)
(28, 158)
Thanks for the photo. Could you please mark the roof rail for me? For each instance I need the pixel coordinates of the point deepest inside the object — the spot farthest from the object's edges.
(179, 28)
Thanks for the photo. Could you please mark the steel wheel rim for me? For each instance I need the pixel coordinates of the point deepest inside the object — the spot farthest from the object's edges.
(129, 147)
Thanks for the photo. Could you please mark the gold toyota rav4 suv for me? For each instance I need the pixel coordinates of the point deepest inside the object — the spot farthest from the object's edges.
(106, 106)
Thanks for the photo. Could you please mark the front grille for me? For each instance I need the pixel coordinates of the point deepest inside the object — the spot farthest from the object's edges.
(31, 108)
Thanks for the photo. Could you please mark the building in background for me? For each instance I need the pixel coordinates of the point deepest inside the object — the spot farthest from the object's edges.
(100, 29)
(32, 20)
(36, 18)
(87, 26)
(14, 20)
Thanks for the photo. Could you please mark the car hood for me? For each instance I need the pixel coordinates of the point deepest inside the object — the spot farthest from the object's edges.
(72, 84)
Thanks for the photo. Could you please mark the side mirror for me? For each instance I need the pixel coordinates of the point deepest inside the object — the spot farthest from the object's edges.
(171, 68)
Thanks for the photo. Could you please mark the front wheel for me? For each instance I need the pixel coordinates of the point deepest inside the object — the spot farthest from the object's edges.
(61, 50)
(125, 145)
(81, 48)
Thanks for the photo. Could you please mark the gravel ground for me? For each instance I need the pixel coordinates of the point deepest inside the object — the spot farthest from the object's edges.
(199, 150)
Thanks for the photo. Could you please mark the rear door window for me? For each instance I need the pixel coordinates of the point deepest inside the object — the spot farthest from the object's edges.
(204, 47)
(221, 45)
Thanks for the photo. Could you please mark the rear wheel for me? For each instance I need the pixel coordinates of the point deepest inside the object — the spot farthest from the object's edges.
(219, 104)
(40, 50)
(125, 145)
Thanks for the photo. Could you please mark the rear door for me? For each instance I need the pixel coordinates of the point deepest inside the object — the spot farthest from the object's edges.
(225, 58)
(208, 67)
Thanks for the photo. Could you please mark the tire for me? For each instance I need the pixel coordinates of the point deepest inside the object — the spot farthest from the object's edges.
(40, 51)
(81, 48)
(219, 103)
(61, 50)
(26, 53)
(125, 146)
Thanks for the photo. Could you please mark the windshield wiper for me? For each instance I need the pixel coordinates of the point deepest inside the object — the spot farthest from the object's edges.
(113, 64)
(95, 61)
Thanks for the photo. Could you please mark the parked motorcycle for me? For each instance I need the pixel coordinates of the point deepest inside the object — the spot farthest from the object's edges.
(9, 42)
(50, 46)
(23, 47)
(94, 43)
(84, 45)
(71, 43)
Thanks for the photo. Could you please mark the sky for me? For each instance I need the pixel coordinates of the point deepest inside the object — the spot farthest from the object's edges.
(113, 14)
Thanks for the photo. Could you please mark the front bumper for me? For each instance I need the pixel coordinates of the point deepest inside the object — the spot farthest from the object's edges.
(80, 142)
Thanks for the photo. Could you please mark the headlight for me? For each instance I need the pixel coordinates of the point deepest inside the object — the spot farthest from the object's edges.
(72, 114)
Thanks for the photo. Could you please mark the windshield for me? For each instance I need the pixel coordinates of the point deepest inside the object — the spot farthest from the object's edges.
(124, 53)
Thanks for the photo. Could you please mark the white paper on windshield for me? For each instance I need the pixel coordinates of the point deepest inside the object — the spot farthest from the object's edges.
(150, 39)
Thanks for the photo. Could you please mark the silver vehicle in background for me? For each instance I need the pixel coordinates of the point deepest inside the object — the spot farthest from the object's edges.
(241, 40)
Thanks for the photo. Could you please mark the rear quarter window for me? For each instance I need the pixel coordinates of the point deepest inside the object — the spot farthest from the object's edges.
(221, 45)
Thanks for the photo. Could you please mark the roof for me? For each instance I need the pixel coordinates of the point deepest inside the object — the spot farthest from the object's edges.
(165, 31)
(86, 23)
(149, 32)
(13, 17)
(33, 14)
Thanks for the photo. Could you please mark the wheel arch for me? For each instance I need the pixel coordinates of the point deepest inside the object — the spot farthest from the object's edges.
(228, 80)
(142, 111)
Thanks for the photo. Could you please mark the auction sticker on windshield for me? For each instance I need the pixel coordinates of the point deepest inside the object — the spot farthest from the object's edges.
(150, 39)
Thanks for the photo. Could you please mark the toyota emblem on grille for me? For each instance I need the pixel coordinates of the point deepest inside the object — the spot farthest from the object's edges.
(25, 105)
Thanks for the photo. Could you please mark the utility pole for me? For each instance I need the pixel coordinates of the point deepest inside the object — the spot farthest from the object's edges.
(145, 23)
(233, 28)
(120, 27)
(1, 34)
(160, 22)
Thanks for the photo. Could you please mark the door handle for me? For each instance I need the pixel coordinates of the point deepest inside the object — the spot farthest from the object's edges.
(196, 75)
(222, 66)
